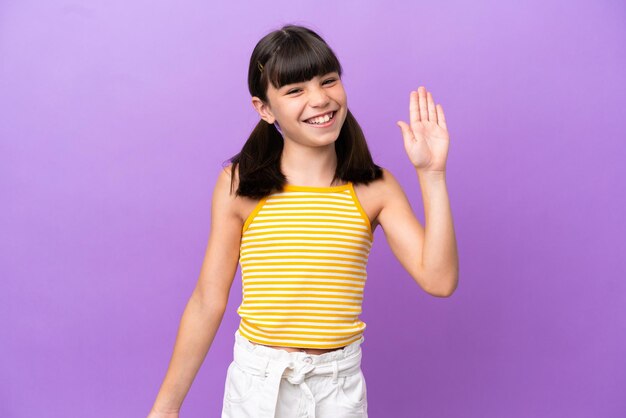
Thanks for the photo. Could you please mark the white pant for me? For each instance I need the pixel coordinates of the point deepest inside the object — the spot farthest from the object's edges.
(264, 382)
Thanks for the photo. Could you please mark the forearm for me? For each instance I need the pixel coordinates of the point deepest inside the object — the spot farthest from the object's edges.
(439, 255)
(198, 326)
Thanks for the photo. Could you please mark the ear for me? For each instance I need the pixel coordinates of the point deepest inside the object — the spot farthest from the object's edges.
(263, 109)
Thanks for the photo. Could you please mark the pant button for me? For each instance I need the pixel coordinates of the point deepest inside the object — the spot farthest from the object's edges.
(308, 359)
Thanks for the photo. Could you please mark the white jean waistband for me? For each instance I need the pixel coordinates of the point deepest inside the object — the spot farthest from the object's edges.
(275, 364)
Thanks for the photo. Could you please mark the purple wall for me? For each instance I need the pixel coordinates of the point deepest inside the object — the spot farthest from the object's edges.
(115, 118)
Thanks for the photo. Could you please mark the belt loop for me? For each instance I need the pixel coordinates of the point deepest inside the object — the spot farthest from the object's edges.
(335, 371)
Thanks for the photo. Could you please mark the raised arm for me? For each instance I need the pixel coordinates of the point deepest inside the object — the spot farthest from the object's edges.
(205, 309)
(430, 254)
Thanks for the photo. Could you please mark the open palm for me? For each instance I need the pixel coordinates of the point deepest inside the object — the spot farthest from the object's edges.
(426, 139)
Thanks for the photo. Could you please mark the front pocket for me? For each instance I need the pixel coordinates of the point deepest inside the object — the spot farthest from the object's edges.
(352, 389)
(240, 385)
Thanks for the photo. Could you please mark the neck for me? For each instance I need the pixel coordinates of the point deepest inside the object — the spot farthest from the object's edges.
(308, 166)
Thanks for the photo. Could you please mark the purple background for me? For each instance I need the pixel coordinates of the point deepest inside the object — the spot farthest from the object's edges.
(115, 118)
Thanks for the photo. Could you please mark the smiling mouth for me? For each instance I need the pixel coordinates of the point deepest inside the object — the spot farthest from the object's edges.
(324, 121)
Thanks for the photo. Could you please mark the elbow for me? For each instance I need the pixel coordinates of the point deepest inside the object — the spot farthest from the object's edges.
(210, 301)
(443, 286)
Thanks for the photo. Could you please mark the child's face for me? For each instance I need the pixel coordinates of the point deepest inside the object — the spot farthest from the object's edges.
(292, 104)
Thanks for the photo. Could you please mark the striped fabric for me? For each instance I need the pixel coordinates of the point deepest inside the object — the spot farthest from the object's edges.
(303, 261)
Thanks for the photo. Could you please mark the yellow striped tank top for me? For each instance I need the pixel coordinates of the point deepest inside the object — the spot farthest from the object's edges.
(303, 260)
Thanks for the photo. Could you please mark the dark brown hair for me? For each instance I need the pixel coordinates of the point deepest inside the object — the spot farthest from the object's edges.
(294, 54)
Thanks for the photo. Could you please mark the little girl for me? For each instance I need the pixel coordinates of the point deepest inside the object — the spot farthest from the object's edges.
(297, 207)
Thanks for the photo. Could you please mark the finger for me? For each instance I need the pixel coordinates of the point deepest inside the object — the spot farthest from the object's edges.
(421, 92)
(441, 117)
(432, 111)
(407, 133)
(414, 113)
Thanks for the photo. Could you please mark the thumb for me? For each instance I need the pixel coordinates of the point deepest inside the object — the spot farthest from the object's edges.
(406, 130)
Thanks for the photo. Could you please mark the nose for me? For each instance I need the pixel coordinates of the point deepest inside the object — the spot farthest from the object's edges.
(318, 97)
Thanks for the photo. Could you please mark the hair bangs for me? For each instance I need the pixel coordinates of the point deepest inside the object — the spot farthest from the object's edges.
(300, 59)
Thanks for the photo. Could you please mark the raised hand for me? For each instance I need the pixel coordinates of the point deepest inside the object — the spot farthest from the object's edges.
(426, 139)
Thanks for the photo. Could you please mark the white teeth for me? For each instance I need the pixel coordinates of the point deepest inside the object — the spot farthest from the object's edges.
(320, 120)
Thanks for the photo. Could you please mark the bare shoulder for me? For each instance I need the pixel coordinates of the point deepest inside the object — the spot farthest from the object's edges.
(392, 196)
(374, 195)
(389, 186)
(223, 184)
(384, 186)
(239, 206)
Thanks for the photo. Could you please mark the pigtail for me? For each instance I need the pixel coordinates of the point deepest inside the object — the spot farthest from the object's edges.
(258, 163)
